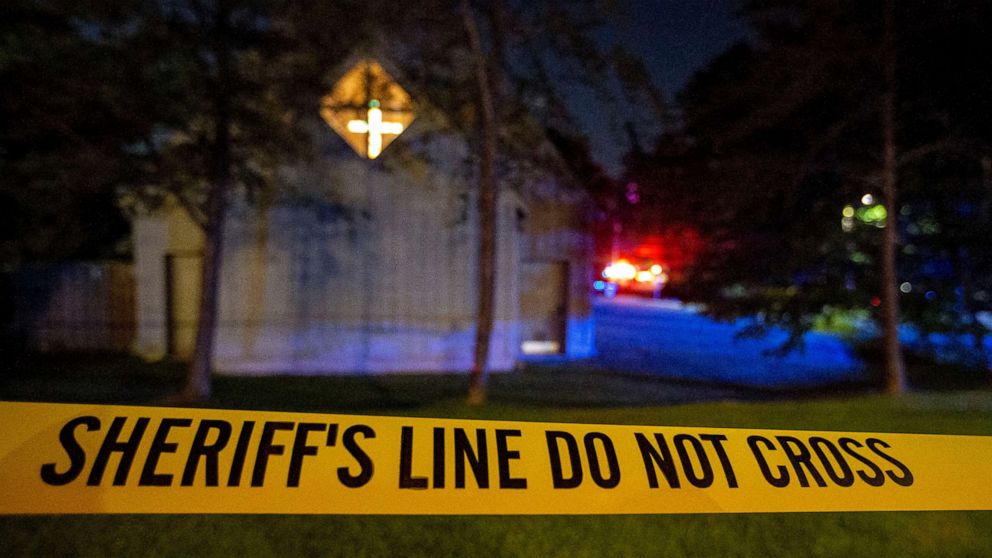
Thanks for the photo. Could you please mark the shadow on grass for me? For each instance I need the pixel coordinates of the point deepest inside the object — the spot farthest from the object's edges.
(340, 393)
(124, 379)
(121, 379)
(924, 372)
(87, 378)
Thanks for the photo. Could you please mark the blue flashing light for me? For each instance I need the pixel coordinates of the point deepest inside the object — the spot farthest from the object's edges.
(599, 285)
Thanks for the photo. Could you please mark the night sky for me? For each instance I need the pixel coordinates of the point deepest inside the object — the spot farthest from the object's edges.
(674, 38)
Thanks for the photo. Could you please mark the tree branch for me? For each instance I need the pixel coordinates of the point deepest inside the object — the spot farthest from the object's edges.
(948, 145)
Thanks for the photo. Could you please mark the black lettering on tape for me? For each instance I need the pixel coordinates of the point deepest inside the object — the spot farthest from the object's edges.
(240, 452)
(160, 445)
(112, 444)
(846, 476)
(75, 452)
(477, 459)
(407, 480)
(662, 457)
(878, 478)
(365, 465)
(906, 478)
(610, 452)
(728, 469)
(301, 449)
(200, 450)
(503, 457)
(438, 480)
(704, 478)
(558, 478)
(779, 481)
(266, 448)
(801, 458)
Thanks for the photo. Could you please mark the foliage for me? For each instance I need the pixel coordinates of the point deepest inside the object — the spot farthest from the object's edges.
(65, 123)
(262, 83)
(103, 97)
(788, 127)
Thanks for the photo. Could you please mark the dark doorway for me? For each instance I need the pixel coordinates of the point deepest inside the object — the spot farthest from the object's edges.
(543, 307)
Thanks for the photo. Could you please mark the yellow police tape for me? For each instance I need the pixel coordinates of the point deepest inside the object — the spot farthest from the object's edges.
(57, 458)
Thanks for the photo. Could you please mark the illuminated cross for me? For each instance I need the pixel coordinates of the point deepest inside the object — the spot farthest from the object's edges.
(367, 109)
(375, 127)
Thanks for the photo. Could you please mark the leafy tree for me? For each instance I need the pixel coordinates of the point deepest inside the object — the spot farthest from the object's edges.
(198, 100)
(66, 123)
(225, 70)
(497, 70)
(830, 101)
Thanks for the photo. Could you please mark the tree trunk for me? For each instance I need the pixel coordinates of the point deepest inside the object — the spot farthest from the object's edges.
(487, 213)
(198, 377)
(895, 374)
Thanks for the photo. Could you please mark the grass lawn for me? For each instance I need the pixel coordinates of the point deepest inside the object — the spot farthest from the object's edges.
(559, 395)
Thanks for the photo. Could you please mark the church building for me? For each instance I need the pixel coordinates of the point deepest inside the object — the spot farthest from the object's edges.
(365, 259)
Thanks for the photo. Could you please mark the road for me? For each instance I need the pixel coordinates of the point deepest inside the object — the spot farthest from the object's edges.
(666, 338)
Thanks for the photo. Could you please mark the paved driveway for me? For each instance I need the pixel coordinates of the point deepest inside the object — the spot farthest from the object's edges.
(666, 338)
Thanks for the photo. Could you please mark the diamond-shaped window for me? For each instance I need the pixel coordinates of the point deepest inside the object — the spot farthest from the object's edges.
(367, 108)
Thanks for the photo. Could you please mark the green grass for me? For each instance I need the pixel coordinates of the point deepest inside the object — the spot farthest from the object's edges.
(560, 395)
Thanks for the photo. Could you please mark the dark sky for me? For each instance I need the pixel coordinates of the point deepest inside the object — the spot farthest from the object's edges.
(674, 38)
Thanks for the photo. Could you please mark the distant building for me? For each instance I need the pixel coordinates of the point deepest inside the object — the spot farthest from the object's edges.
(366, 260)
